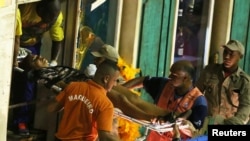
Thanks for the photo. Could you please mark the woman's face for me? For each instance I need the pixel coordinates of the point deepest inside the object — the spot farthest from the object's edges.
(38, 62)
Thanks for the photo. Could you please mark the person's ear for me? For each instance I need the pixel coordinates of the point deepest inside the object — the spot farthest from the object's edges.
(106, 79)
(241, 56)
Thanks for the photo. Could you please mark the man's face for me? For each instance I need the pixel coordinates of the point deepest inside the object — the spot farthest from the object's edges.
(177, 77)
(112, 81)
(230, 58)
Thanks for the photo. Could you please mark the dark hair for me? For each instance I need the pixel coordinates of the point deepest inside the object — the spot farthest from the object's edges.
(25, 64)
(107, 67)
(48, 10)
(185, 66)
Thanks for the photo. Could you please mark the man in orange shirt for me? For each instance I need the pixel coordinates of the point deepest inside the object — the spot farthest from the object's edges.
(88, 113)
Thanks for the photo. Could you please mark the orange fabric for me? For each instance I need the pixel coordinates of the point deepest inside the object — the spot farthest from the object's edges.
(181, 104)
(86, 110)
(165, 96)
(188, 101)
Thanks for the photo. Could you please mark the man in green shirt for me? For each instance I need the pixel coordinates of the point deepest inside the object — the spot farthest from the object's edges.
(227, 87)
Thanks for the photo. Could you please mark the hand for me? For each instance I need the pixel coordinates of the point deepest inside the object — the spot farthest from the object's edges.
(53, 63)
(15, 63)
(170, 117)
(176, 132)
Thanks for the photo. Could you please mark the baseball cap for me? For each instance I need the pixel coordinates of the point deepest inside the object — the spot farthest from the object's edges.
(235, 45)
(108, 52)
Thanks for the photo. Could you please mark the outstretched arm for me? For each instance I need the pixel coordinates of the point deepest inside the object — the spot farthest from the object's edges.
(120, 101)
(134, 83)
(54, 106)
(133, 105)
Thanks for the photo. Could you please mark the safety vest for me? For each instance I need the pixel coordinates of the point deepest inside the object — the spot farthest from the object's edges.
(182, 104)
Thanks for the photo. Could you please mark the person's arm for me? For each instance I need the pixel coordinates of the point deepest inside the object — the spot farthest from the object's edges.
(104, 122)
(57, 36)
(17, 37)
(199, 112)
(134, 83)
(107, 136)
(56, 49)
(16, 49)
(243, 111)
(130, 109)
(134, 106)
(54, 106)
(177, 135)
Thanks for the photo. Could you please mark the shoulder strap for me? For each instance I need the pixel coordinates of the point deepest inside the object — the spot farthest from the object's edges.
(165, 96)
(188, 100)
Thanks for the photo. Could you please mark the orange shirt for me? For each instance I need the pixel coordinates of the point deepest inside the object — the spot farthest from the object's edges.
(86, 110)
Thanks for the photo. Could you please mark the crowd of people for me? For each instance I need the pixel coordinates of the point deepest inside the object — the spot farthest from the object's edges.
(221, 93)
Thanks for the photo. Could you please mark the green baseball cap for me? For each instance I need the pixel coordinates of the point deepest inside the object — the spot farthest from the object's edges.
(235, 45)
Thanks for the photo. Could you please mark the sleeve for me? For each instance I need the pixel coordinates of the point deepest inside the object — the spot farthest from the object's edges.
(56, 31)
(105, 118)
(199, 112)
(18, 23)
(154, 85)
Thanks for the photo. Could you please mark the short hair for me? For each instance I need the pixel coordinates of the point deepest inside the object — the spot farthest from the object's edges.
(107, 67)
(48, 8)
(25, 64)
(185, 66)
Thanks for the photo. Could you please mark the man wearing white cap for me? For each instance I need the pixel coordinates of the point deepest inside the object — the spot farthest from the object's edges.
(122, 98)
(226, 86)
(105, 52)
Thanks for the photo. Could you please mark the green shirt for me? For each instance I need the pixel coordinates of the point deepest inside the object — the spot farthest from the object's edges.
(226, 96)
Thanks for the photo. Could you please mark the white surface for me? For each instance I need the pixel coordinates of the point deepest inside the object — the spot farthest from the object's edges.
(7, 24)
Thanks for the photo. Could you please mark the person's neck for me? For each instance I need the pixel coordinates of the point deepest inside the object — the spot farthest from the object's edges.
(98, 81)
(230, 70)
(183, 90)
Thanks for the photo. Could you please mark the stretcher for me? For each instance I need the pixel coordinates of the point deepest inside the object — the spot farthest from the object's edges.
(50, 76)
(161, 128)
